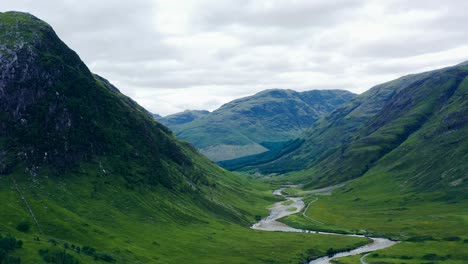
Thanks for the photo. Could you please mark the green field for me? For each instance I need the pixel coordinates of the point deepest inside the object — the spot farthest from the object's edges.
(150, 225)
(433, 230)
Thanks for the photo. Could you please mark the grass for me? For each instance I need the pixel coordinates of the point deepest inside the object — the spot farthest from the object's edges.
(414, 188)
(150, 225)
(348, 260)
(428, 225)
(288, 202)
(415, 253)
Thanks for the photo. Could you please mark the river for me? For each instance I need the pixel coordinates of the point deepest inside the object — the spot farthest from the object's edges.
(296, 204)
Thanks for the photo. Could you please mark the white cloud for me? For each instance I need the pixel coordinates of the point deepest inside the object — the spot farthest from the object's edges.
(198, 54)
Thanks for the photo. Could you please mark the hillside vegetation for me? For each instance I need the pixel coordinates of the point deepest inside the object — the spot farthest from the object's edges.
(407, 155)
(255, 124)
(414, 127)
(88, 176)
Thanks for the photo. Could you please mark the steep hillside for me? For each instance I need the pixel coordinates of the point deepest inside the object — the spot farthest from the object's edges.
(409, 161)
(87, 175)
(258, 123)
(426, 110)
(56, 113)
(183, 117)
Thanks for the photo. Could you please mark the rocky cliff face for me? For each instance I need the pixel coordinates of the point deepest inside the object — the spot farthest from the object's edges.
(32, 92)
(54, 112)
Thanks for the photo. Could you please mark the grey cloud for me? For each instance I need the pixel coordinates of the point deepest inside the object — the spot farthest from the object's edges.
(410, 45)
(221, 50)
(282, 14)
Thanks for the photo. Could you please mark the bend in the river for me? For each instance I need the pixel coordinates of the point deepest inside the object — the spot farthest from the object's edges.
(296, 204)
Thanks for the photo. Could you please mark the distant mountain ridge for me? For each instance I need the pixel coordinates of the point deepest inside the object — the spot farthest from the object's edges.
(183, 117)
(254, 124)
(418, 122)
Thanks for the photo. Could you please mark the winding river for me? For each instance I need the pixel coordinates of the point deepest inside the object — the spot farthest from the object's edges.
(296, 204)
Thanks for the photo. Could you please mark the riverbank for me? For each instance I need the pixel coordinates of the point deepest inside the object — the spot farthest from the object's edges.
(296, 205)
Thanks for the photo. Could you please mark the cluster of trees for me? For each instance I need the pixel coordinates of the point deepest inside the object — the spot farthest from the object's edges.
(97, 255)
(61, 255)
(8, 245)
(57, 256)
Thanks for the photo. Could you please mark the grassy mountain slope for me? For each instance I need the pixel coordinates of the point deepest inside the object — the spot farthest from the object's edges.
(358, 135)
(411, 159)
(183, 117)
(87, 175)
(245, 126)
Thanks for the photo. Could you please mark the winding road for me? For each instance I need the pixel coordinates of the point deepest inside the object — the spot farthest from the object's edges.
(296, 204)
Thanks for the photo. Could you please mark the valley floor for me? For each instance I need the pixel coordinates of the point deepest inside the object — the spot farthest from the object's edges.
(431, 232)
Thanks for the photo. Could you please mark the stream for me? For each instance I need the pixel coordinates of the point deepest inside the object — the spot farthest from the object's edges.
(279, 210)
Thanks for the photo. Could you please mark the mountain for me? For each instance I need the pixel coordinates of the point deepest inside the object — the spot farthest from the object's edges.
(88, 176)
(257, 123)
(414, 126)
(404, 147)
(156, 116)
(183, 117)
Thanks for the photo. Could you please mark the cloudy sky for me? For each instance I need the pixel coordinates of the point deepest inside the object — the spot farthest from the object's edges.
(198, 54)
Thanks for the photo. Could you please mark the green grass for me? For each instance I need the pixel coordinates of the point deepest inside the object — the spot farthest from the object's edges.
(375, 205)
(151, 225)
(416, 253)
(348, 260)
(288, 202)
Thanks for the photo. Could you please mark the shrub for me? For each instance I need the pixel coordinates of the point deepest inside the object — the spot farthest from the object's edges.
(432, 256)
(97, 255)
(7, 245)
(10, 260)
(420, 238)
(331, 252)
(452, 238)
(104, 257)
(312, 253)
(88, 250)
(57, 256)
(23, 226)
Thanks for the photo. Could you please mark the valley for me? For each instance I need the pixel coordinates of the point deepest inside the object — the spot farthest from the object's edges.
(87, 175)
(294, 205)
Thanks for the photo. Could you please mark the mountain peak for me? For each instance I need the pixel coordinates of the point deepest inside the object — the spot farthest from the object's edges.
(276, 92)
(55, 113)
(19, 28)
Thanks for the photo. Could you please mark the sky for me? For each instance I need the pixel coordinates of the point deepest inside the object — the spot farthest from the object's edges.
(173, 55)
